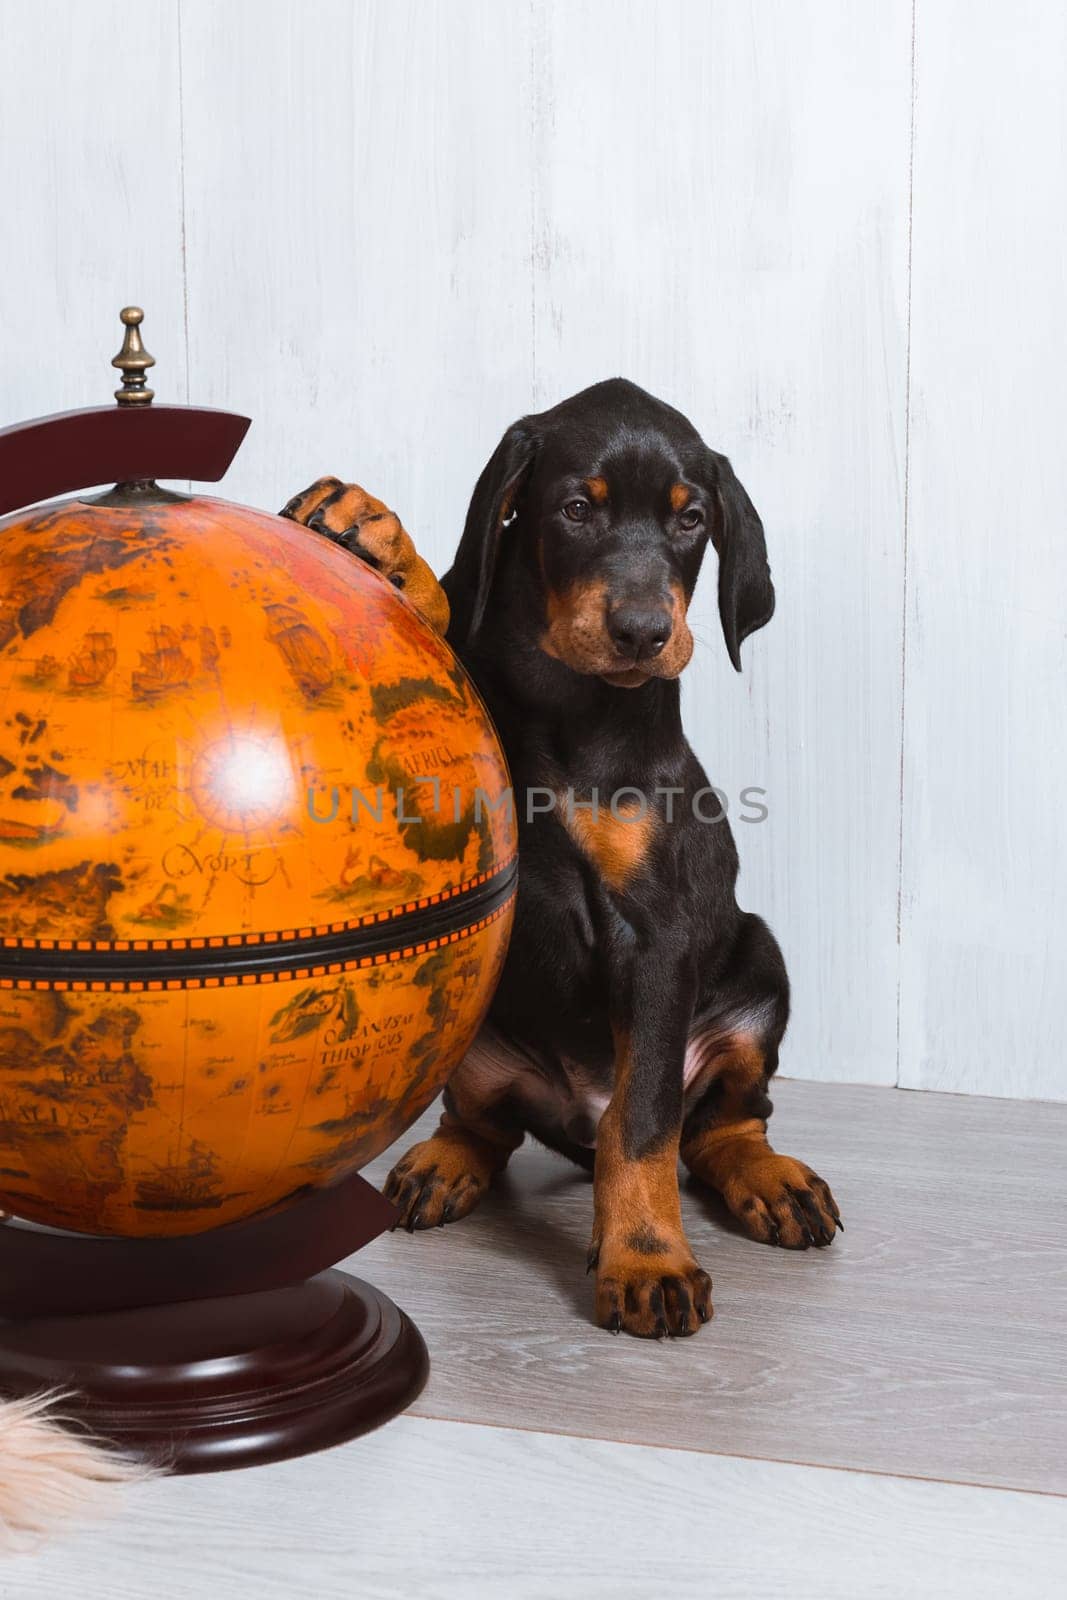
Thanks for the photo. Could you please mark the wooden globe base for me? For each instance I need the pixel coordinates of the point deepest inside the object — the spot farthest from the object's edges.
(220, 1349)
(228, 1382)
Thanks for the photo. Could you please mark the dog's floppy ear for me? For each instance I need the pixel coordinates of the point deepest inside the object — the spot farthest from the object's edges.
(470, 579)
(746, 593)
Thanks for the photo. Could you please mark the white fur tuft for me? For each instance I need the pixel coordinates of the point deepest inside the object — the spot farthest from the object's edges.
(51, 1475)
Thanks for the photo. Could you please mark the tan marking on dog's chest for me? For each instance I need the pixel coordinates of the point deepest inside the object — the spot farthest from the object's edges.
(617, 841)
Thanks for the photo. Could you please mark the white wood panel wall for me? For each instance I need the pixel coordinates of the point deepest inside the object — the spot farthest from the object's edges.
(90, 197)
(387, 227)
(985, 753)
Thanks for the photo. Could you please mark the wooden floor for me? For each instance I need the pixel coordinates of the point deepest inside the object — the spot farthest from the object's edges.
(924, 1352)
(928, 1341)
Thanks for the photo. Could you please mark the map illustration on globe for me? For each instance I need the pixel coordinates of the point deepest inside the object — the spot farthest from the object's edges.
(222, 985)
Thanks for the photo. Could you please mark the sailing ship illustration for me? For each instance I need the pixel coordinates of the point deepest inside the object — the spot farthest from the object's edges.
(379, 884)
(90, 665)
(187, 1185)
(468, 971)
(209, 649)
(46, 668)
(304, 650)
(449, 1014)
(165, 666)
(167, 909)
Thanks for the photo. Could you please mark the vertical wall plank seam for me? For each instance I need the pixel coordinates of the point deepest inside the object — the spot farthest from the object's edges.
(905, 533)
(534, 69)
(181, 195)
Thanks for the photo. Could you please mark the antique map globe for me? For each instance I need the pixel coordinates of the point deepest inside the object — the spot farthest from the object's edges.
(256, 863)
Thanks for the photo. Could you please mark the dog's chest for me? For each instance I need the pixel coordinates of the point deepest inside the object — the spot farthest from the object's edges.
(616, 835)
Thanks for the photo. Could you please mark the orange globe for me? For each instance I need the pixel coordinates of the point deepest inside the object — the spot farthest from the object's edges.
(256, 863)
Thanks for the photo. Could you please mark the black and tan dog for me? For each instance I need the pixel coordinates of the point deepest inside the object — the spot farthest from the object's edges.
(640, 1011)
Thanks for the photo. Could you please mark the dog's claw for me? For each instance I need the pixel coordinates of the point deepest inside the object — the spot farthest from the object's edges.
(436, 1183)
(780, 1201)
(839, 1224)
(651, 1305)
(592, 1258)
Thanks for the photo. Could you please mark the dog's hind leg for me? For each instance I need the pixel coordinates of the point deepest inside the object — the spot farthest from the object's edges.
(444, 1177)
(777, 1199)
(731, 1056)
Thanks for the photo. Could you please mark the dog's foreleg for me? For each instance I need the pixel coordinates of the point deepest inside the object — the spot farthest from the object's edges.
(648, 1282)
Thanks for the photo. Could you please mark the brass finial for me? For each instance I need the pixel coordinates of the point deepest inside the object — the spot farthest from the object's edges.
(133, 361)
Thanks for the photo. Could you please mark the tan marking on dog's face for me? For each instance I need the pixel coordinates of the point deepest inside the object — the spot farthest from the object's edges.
(577, 634)
(617, 840)
(597, 489)
(577, 631)
(677, 652)
(679, 496)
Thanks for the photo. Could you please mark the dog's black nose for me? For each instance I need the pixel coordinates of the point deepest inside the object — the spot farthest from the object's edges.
(636, 633)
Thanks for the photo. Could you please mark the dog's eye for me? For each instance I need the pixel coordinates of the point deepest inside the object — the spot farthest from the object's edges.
(691, 518)
(577, 510)
(397, 580)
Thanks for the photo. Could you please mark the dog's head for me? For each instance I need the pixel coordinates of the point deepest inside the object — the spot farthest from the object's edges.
(357, 521)
(606, 504)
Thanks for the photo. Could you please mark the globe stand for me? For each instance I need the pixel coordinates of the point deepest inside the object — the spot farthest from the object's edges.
(220, 1349)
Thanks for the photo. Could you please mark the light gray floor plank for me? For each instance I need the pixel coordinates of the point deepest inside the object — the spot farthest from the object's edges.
(927, 1341)
(452, 1512)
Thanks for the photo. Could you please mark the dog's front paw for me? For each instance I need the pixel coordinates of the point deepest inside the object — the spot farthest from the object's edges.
(367, 528)
(650, 1293)
(781, 1201)
(440, 1180)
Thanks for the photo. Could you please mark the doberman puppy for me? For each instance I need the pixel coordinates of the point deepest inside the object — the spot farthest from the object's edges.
(640, 1011)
